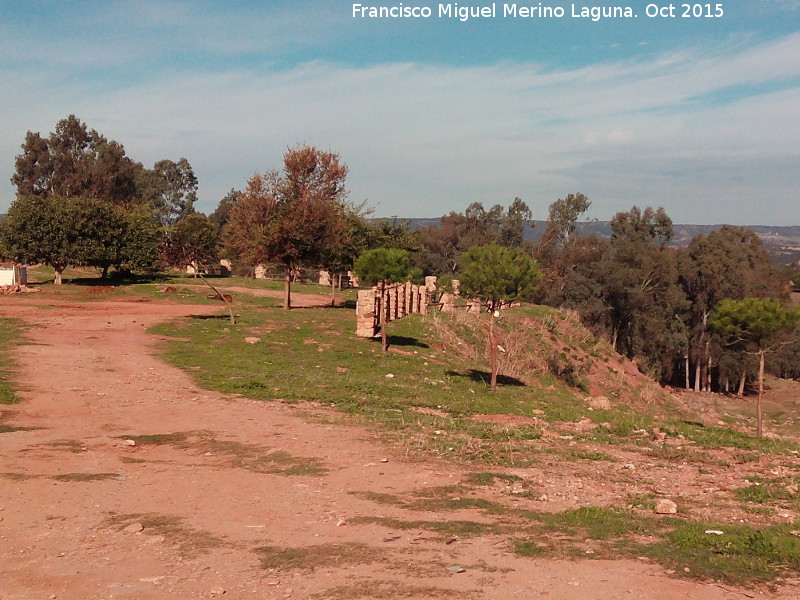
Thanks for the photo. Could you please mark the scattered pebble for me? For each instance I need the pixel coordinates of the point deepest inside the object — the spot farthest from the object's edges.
(456, 569)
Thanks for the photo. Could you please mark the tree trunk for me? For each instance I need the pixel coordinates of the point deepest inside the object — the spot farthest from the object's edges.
(58, 275)
(741, 383)
(287, 289)
(104, 274)
(708, 366)
(222, 296)
(687, 367)
(492, 354)
(384, 315)
(333, 291)
(759, 406)
(697, 376)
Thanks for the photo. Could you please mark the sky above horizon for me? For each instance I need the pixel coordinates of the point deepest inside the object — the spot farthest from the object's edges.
(698, 115)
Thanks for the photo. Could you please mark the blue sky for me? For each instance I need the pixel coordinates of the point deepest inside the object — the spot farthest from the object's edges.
(701, 116)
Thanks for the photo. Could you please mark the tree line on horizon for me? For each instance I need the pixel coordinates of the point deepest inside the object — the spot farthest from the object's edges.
(81, 201)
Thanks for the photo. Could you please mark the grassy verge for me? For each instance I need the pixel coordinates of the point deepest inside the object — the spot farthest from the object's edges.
(10, 336)
(416, 393)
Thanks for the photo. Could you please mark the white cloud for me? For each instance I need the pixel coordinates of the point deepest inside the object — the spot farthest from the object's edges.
(422, 140)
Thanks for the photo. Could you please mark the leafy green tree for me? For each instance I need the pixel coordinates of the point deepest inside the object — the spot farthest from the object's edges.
(97, 230)
(497, 274)
(169, 189)
(727, 264)
(36, 230)
(74, 161)
(293, 217)
(563, 215)
(383, 266)
(219, 218)
(191, 241)
(443, 245)
(757, 323)
(139, 246)
(356, 237)
(62, 232)
(639, 284)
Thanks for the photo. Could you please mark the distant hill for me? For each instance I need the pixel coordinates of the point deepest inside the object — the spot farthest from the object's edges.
(782, 243)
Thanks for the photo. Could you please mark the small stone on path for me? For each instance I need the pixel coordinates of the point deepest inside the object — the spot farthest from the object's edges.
(666, 507)
(134, 528)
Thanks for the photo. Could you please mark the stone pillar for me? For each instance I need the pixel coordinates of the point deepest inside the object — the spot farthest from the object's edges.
(261, 272)
(430, 283)
(353, 279)
(401, 300)
(394, 295)
(366, 313)
(324, 278)
(448, 302)
(225, 267)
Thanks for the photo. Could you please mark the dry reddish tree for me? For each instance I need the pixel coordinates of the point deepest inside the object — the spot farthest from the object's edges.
(291, 218)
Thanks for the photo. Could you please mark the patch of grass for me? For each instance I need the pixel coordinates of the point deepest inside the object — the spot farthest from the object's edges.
(572, 454)
(309, 558)
(190, 542)
(374, 590)
(13, 428)
(598, 523)
(258, 459)
(158, 439)
(487, 479)
(721, 437)
(765, 493)
(646, 501)
(445, 529)
(533, 549)
(10, 336)
(741, 555)
(74, 446)
(17, 476)
(68, 477)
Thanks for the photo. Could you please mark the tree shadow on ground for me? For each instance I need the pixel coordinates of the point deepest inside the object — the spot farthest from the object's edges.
(348, 304)
(399, 340)
(206, 317)
(486, 377)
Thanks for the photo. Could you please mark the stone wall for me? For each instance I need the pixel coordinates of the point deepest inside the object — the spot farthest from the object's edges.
(405, 299)
(401, 299)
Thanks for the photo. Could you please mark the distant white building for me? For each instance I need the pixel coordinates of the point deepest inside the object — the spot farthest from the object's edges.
(13, 275)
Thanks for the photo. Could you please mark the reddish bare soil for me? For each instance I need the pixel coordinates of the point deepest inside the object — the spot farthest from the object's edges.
(85, 515)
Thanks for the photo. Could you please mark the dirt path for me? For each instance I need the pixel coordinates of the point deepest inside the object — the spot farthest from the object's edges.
(86, 515)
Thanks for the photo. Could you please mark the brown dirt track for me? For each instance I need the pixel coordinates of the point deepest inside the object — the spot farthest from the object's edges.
(70, 485)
